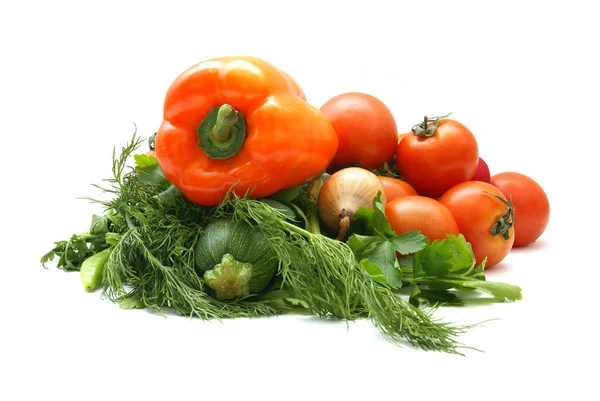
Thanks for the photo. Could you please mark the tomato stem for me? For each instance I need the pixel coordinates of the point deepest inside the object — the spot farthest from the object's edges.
(504, 223)
(426, 130)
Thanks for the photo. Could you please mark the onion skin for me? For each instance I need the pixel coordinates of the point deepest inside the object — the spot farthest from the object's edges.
(343, 193)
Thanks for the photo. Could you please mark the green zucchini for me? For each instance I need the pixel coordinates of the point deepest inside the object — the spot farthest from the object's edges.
(234, 258)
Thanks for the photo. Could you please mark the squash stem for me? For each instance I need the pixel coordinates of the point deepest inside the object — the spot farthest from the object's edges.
(230, 278)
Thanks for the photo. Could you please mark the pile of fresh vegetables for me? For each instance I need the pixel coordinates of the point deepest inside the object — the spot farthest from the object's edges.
(250, 202)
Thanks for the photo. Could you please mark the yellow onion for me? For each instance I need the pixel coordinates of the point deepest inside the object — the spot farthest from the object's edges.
(343, 193)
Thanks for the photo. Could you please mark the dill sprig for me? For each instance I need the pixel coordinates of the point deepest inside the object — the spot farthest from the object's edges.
(323, 273)
(153, 261)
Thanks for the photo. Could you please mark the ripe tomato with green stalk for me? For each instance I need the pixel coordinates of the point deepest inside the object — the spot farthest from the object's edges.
(485, 217)
(532, 207)
(366, 130)
(439, 154)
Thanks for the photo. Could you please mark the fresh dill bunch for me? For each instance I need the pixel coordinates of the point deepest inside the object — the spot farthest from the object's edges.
(153, 261)
(323, 273)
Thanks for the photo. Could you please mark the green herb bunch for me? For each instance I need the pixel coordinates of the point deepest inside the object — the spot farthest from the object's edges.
(153, 230)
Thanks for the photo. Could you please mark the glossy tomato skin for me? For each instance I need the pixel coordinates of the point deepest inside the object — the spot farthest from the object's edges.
(402, 135)
(396, 188)
(365, 127)
(476, 211)
(421, 213)
(433, 165)
(532, 207)
(482, 173)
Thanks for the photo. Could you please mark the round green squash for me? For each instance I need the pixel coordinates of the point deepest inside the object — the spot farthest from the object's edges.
(234, 258)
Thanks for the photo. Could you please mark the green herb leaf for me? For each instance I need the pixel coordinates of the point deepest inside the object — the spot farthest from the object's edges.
(99, 225)
(381, 225)
(451, 255)
(436, 259)
(500, 291)
(287, 194)
(463, 259)
(406, 262)
(296, 302)
(148, 172)
(384, 256)
(143, 161)
(131, 302)
(374, 271)
(409, 242)
(433, 297)
(362, 222)
(361, 244)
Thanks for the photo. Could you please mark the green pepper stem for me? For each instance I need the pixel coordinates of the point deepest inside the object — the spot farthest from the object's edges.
(226, 118)
(222, 133)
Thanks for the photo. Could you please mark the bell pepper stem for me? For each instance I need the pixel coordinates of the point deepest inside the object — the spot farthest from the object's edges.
(222, 133)
(226, 118)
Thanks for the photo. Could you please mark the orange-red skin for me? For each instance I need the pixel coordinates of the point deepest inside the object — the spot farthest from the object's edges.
(396, 188)
(532, 207)
(421, 213)
(476, 212)
(288, 140)
(433, 165)
(365, 127)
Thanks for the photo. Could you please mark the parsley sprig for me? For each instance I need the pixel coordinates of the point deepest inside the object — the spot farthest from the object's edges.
(437, 272)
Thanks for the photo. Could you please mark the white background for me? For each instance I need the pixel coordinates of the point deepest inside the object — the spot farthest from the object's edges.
(76, 77)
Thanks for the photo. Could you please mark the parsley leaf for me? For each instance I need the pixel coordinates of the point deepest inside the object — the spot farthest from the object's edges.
(439, 271)
(384, 257)
(148, 172)
(374, 271)
(381, 225)
(409, 242)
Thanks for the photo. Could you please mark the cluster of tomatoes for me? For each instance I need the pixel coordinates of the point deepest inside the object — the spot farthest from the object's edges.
(444, 186)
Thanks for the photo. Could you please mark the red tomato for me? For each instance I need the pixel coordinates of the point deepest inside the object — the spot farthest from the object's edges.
(421, 213)
(433, 164)
(532, 208)
(395, 188)
(365, 127)
(402, 135)
(483, 218)
(482, 173)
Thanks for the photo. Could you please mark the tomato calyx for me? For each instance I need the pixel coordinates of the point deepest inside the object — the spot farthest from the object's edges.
(426, 130)
(504, 223)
